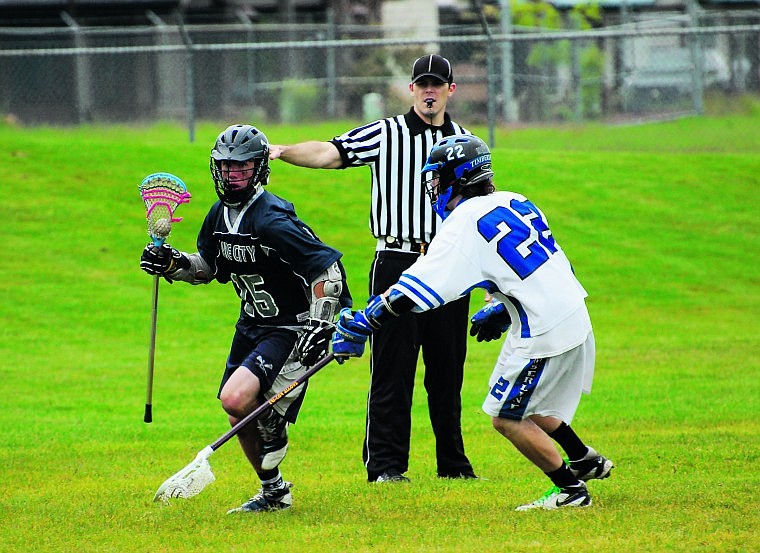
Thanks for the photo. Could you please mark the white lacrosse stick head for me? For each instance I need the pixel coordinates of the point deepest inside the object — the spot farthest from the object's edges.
(162, 193)
(189, 481)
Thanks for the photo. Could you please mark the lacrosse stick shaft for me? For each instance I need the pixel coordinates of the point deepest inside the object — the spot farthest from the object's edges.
(274, 399)
(151, 353)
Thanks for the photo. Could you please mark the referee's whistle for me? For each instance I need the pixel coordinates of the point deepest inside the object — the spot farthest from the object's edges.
(429, 103)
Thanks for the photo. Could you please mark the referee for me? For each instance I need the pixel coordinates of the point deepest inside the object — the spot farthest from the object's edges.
(402, 220)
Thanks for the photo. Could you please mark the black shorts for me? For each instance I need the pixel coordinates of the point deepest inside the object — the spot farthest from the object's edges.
(263, 351)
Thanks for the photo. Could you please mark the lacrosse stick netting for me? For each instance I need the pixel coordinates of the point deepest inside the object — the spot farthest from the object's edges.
(190, 481)
(162, 194)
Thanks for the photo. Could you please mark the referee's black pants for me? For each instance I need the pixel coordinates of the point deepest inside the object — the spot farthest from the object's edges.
(442, 335)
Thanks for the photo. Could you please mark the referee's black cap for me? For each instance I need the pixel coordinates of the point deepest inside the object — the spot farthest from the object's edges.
(432, 65)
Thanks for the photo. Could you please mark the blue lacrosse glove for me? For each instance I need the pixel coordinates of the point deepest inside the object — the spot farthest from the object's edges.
(490, 322)
(351, 333)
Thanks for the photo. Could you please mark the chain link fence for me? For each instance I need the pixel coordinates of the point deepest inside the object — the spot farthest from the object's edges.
(646, 65)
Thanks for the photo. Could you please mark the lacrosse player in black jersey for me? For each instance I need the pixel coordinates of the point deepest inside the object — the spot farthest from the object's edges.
(290, 285)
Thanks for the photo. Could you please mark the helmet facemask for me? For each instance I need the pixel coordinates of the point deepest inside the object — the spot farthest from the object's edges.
(237, 145)
(235, 193)
(439, 198)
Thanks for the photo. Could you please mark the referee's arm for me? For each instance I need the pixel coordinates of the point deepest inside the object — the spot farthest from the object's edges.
(313, 154)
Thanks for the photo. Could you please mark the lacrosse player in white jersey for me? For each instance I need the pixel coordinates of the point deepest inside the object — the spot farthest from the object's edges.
(501, 242)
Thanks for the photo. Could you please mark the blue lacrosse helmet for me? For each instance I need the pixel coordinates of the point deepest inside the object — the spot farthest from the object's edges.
(455, 163)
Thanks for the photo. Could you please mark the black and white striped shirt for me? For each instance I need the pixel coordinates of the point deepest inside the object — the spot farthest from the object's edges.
(396, 149)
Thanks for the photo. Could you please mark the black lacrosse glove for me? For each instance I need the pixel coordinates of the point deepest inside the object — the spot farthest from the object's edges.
(314, 341)
(490, 322)
(159, 260)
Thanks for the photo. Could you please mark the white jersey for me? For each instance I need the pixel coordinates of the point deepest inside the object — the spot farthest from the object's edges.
(502, 243)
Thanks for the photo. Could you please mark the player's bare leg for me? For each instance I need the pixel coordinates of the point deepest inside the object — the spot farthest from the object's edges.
(239, 397)
(533, 442)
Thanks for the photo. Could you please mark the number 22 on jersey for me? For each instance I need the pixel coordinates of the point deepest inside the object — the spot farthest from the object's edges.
(506, 224)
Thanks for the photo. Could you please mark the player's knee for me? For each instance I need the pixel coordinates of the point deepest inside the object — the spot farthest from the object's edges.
(229, 404)
(235, 402)
(239, 393)
(505, 427)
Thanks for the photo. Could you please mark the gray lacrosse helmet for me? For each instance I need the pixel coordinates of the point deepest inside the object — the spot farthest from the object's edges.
(240, 143)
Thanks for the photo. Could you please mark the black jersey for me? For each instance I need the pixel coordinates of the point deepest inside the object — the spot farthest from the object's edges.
(269, 254)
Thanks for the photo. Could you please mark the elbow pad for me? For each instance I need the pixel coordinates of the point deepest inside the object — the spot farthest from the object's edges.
(325, 293)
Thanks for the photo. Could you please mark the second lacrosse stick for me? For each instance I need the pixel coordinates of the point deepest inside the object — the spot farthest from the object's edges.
(197, 475)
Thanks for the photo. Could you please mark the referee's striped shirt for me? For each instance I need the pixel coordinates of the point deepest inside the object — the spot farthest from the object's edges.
(396, 149)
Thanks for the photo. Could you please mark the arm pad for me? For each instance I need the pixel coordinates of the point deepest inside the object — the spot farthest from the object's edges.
(382, 308)
(325, 294)
(191, 268)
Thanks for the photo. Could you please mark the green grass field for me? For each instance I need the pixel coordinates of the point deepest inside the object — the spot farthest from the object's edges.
(660, 221)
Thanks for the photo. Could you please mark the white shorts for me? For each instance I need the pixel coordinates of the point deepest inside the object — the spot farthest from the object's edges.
(552, 386)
